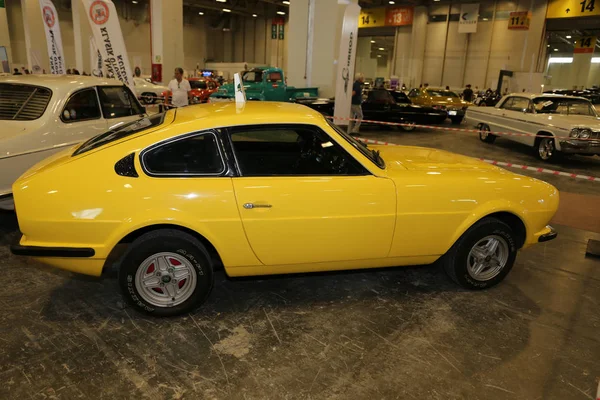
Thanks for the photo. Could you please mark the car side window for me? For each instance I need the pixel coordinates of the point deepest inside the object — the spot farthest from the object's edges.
(81, 106)
(275, 77)
(507, 105)
(198, 154)
(118, 102)
(380, 97)
(290, 150)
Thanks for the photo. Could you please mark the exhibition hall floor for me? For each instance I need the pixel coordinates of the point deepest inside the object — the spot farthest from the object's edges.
(384, 334)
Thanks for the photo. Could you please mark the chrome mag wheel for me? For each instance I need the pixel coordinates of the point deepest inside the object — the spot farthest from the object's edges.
(487, 258)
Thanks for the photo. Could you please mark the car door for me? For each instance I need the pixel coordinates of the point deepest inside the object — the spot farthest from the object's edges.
(304, 199)
(515, 116)
(119, 105)
(274, 87)
(378, 105)
(80, 118)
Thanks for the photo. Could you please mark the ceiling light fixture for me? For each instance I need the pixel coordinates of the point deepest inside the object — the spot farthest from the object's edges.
(221, 1)
(485, 19)
(226, 10)
(548, 46)
(372, 41)
(286, 2)
(281, 12)
(382, 48)
(200, 13)
(134, 1)
(378, 55)
(392, 2)
(254, 15)
(555, 49)
(568, 36)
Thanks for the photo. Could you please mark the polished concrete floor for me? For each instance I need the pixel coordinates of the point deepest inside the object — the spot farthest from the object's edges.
(400, 333)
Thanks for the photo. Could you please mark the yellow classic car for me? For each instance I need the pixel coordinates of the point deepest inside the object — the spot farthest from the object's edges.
(442, 99)
(268, 188)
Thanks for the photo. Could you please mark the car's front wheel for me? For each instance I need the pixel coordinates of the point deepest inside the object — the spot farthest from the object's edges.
(546, 149)
(408, 126)
(483, 255)
(165, 273)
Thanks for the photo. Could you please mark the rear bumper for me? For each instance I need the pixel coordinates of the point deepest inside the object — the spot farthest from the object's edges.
(546, 237)
(575, 146)
(62, 252)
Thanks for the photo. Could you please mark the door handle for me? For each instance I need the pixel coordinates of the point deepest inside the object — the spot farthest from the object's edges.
(250, 206)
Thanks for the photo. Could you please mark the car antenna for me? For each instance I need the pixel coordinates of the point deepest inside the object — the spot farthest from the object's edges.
(240, 92)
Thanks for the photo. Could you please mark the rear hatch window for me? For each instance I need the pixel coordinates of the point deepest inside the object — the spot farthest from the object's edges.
(120, 132)
(23, 102)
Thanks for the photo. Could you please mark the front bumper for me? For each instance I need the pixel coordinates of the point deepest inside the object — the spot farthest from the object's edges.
(575, 146)
(546, 237)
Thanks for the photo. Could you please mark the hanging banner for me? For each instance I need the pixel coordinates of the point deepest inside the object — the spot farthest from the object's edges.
(95, 59)
(572, 8)
(585, 45)
(399, 16)
(519, 20)
(346, 60)
(104, 22)
(469, 14)
(53, 38)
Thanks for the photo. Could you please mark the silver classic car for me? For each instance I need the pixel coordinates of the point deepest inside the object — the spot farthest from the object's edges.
(42, 114)
(547, 122)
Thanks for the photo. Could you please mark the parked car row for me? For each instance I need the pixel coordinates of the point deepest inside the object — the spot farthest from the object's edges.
(150, 93)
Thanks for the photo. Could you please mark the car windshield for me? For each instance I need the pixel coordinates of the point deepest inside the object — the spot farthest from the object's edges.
(252, 76)
(564, 106)
(372, 155)
(442, 93)
(198, 84)
(23, 102)
(120, 131)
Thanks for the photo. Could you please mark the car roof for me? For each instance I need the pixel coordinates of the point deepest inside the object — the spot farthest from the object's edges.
(61, 85)
(550, 95)
(217, 115)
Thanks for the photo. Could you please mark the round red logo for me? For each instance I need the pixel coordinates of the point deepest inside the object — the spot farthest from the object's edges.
(99, 12)
(49, 18)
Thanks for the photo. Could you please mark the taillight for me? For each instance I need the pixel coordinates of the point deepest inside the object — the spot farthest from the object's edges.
(275, 86)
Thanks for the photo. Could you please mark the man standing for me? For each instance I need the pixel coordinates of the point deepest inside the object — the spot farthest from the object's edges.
(468, 94)
(180, 90)
(356, 109)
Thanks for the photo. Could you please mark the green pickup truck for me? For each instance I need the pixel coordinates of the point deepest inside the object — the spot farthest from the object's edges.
(264, 84)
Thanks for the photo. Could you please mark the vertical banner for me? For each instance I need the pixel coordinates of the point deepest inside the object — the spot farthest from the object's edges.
(53, 38)
(345, 62)
(95, 59)
(104, 23)
(469, 15)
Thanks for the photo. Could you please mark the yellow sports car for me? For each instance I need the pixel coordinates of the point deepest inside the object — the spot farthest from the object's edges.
(268, 188)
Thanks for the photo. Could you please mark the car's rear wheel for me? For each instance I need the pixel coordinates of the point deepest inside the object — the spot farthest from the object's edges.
(456, 120)
(408, 126)
(483, 255)
(545, 149)
(166, 273)
(485, 135)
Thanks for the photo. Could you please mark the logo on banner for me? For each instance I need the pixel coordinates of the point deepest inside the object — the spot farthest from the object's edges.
(49, 17)
(99, 12)
(346, 70)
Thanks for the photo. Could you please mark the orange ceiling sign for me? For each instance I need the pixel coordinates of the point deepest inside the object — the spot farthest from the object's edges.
(399, 16)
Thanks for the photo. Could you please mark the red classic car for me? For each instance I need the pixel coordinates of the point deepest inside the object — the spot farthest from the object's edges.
(202, 88)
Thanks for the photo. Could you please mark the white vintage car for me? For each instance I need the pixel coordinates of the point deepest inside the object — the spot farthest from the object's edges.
(550, 123)
(42, 114)
(148, 92)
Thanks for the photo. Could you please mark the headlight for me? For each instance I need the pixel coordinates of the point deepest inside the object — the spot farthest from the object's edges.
(585, 133)
(575, 133)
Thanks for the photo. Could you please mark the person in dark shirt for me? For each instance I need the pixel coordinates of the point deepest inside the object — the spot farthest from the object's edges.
(356, 109)
(17, 72)
(468, 94)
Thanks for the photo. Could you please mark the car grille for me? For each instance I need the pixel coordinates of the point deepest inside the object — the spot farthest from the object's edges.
(23, 102)
(595, 135)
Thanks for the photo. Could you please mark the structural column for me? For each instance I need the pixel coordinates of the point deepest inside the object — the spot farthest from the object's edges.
(313, 42)
(417, 50)
(5, 38)
(35, 37)
(166, 27)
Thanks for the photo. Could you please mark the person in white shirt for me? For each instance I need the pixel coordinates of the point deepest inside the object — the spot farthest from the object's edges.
(180, 90)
